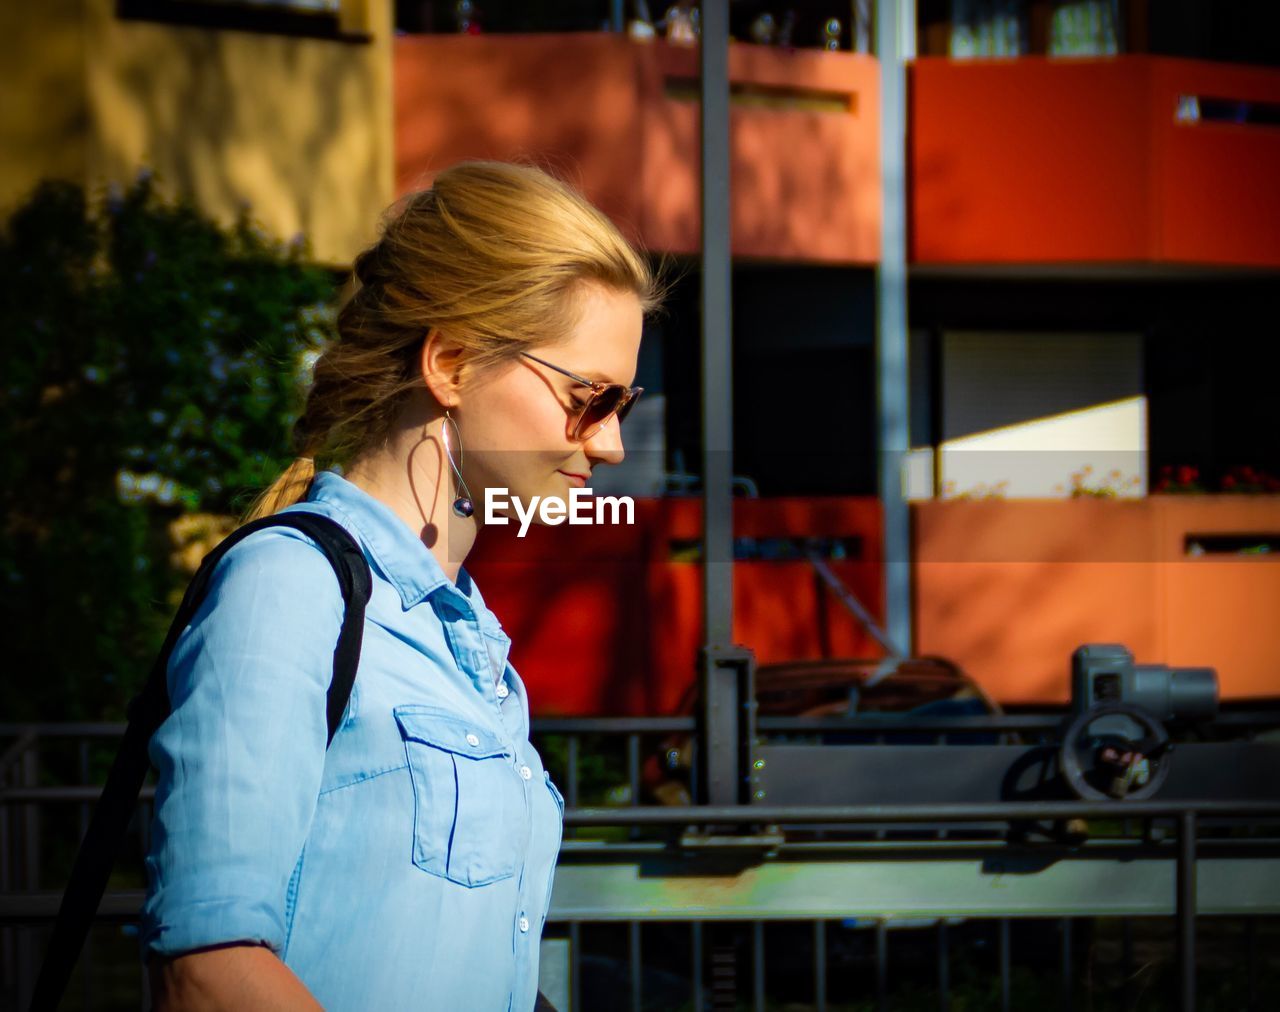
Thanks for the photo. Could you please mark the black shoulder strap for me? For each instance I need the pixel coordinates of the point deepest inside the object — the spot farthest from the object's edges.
(349, 566)
(148, 710)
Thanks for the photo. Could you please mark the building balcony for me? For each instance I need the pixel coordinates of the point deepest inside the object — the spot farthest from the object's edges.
(620, 119)
(1131, 159)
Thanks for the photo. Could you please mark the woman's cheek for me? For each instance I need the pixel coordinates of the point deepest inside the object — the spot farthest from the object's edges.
(532, 478)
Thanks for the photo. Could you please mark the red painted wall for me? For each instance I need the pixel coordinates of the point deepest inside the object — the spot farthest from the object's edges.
(1040, 160)
(607, 620)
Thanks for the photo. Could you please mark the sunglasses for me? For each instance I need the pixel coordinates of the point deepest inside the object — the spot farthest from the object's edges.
(606, 400)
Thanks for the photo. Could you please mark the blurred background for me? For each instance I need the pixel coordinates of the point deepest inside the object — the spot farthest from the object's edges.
(1090, 265)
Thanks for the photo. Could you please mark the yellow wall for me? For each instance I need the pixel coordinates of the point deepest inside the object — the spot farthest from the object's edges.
(299, 129)
(43, 104)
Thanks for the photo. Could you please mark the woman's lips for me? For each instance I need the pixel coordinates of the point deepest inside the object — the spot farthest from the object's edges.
(578, 479)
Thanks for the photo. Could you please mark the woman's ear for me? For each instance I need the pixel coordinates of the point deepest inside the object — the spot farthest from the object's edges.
(442, 366)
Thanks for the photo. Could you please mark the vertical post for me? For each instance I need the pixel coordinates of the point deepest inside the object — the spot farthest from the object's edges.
(29, 942)
(727, 731)
(895, 21)
(1251, 947)
(575, 965)
(633, 776)
(757, 966)
(1006, 968)
(695, 963)
(633, 940)
(882, 966)
(31, 848)
(1187, 911)
(820, 966)
(87, 989)
(1068, 998)
(944, 966)
(721, 698)
(1126, 961)
(717, 347)
(8, 936)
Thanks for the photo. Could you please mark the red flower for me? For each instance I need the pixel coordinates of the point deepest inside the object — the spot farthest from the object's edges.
(1186, 475)
(1228, 482)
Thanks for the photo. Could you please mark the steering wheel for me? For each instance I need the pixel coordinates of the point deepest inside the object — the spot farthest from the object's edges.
(1115, 752)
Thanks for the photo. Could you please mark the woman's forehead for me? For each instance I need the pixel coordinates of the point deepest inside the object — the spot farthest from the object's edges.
(605, 339)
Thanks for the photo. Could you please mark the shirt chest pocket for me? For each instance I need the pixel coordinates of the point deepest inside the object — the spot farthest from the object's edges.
(470, 820)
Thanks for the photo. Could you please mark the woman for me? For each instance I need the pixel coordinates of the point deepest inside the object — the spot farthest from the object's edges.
(491, 343)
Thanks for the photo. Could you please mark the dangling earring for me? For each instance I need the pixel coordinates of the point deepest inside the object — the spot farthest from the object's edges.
(463, 506)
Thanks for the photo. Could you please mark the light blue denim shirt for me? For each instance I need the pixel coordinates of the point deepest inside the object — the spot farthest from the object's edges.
(410, 865)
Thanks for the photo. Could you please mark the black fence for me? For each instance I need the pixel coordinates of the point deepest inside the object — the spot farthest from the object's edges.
(665, 903)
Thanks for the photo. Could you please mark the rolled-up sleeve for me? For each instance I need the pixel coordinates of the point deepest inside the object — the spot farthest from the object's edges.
(240, 757)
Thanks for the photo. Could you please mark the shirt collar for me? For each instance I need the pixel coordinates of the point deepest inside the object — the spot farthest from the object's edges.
(404, 560)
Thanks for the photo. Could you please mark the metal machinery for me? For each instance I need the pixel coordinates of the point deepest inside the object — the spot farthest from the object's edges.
(1141, 800)
(1114, 745)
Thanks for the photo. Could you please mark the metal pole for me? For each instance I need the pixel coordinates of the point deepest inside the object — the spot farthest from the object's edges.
(695, 963)
(882, 966)
(575, 966)
(633, 938)
(1006, 965)
(717, 348)
(1068, 1000)
(944, 967)
(892, 380)
(757, 966)
(1187, 911)
(820, 966)
(720, 684)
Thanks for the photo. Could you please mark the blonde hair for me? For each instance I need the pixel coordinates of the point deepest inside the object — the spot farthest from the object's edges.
(491, 255)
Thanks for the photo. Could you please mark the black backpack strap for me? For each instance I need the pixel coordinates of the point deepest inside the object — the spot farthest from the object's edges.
(349, 565)
(147, 712)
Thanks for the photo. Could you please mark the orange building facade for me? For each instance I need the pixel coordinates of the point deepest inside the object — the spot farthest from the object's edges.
(1012, 163)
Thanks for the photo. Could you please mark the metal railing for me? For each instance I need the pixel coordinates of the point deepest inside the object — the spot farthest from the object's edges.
(1175, 855)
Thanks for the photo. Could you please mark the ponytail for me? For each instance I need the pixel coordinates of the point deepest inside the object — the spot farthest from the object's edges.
(291, 487)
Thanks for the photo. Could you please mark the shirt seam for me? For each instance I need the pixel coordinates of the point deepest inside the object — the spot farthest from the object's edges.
(291, 902)
(364, 778)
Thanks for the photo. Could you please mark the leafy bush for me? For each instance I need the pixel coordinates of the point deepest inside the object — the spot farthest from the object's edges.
(151, 369)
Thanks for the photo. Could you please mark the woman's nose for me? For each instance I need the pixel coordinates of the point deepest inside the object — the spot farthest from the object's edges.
(605, 446)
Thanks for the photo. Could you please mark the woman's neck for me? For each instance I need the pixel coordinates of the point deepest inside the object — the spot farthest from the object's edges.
(410, 475)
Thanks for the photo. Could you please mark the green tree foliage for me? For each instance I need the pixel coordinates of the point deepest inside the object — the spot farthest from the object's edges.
(152, 364)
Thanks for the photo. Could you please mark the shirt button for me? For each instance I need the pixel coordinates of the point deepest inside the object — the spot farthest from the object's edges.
(472, 740)
(502, 691)
(526, 772)
(523, 922)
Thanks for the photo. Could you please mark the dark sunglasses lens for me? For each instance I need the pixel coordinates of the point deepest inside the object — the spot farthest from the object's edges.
(598, 410)
(629, 403)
